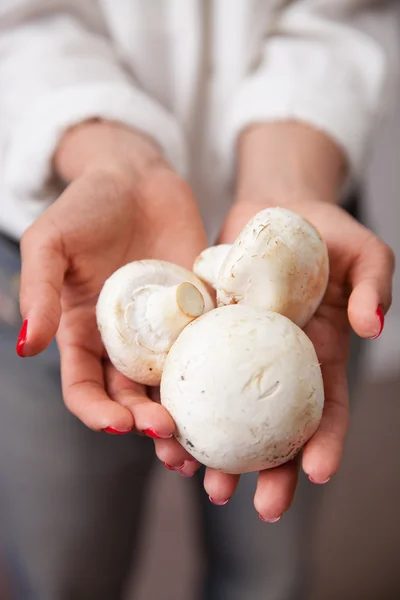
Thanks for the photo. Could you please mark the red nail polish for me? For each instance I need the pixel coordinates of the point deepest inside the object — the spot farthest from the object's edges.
(114, 431)
(318, 482)
(273, 520)
(156, 436)
(22, 339)
(381, 318)
(171, 468)
(219, 502)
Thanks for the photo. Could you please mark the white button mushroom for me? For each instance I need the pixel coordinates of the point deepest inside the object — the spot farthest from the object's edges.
(140, 312)
(209, 263)
(244, 388)
(279, 262)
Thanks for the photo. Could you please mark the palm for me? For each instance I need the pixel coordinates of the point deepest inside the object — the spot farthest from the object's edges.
(329, 329)
(116, 226)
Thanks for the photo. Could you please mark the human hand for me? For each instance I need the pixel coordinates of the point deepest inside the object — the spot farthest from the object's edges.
(124, 203)
(286, 165)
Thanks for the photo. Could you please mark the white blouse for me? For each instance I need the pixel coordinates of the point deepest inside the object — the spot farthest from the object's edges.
(190, 73)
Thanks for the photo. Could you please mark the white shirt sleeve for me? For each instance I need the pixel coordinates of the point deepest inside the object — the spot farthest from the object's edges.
(321, 68)
(54, 73)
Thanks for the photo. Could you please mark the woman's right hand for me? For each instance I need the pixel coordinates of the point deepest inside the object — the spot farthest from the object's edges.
(123, 203)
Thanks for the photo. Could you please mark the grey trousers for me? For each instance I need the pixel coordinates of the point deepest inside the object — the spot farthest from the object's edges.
(71, 502)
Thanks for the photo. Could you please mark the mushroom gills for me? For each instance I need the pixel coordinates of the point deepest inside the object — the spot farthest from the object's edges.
(158, 314)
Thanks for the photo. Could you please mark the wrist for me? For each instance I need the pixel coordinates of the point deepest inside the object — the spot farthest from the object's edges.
(106, 147)
(286, 163)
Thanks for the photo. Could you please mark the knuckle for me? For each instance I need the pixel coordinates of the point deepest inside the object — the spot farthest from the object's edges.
(51, 316)
(389, 255)
(41, 235)
(383, 251)
(28, 239)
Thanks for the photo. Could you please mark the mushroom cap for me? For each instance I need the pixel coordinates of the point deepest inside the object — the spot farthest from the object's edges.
(207, 265)
(244, 388)
(127, 348)
(279, 262)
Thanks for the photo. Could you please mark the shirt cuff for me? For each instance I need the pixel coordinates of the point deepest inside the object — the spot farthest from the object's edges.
(28, 162)
(326, 95)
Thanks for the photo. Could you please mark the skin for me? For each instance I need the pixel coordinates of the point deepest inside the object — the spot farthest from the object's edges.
(123, 203)
(115, 210)
(293, 166)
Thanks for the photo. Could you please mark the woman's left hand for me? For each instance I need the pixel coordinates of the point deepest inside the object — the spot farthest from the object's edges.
(358, 296)
(358, 293)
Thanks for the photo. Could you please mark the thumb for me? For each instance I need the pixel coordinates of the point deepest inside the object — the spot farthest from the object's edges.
(371, 280)
(42, 275)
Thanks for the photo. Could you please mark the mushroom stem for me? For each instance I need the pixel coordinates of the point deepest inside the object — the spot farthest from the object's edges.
(180, 304)
(159, 313)
(208, 264)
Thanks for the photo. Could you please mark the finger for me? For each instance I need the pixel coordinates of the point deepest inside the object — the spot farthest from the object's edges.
(149, 417)
(275, 491)
(371, 280)
(323, 453)
(189, 468)
(172, 454)
(42, 276)
(220, 487)
(84, 394)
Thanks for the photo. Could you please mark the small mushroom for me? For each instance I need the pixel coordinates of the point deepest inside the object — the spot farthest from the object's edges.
(141, 310)
(209, 263)
(244, 388)
(279, 262)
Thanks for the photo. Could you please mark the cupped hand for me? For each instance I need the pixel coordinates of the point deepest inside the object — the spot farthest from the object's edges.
(358, 295)
(120, 206)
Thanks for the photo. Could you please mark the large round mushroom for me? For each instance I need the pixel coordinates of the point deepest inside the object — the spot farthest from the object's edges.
(244, 388)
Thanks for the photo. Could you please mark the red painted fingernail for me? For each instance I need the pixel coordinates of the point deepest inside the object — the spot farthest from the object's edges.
(219, 502)
(171, 468)
(22, 339)
(273, 520)
(156, 436)
(318, 482)
(114, 431)
(381, 318)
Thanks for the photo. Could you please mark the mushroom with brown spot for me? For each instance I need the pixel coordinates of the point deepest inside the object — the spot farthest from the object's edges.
(278, 262)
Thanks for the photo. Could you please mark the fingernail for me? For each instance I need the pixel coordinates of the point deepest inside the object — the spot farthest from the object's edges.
(156, 436)
(171, 468)
(273, 520)
(318, 482)
(114, 431)
(381, 319)
(219, 502)
(22, 339)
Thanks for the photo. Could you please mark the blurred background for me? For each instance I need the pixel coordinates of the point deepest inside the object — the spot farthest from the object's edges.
(354, 546)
